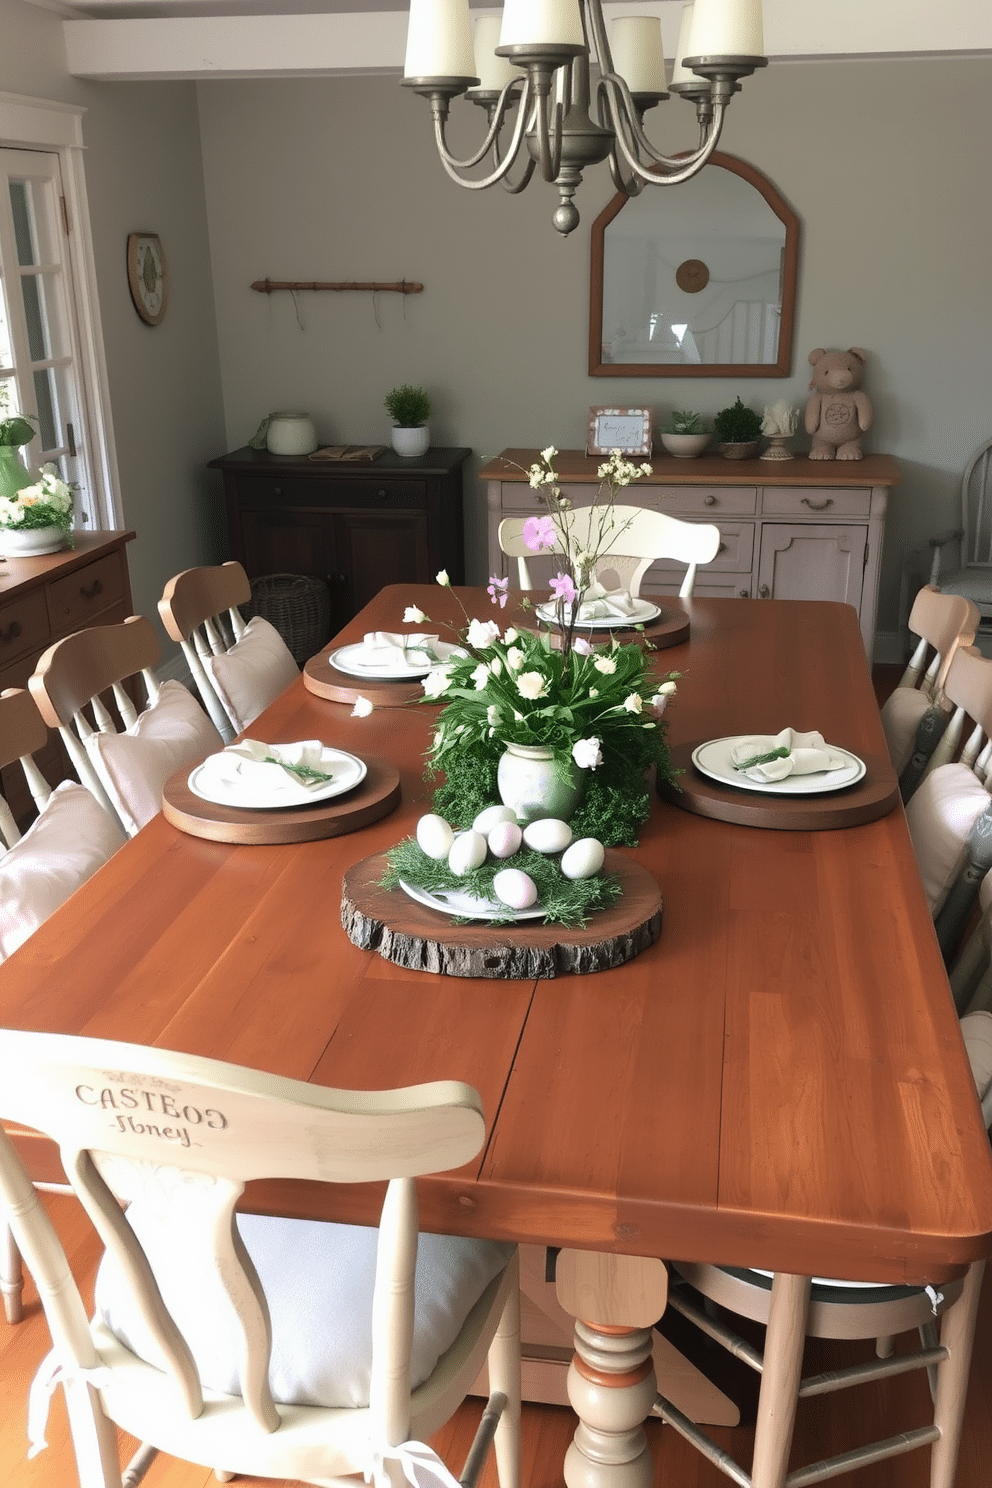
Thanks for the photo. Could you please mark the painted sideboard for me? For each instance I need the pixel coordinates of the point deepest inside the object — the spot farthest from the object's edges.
(790, 529)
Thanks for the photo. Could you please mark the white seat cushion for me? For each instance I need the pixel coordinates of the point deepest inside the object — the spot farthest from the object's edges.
(318, 1280)
(974, 583)
(940, 815)
(253, 673)
(69, 841)
(977, 1031)
(134, 766)
(901, 714)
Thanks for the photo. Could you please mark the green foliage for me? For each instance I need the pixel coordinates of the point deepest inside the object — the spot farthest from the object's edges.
(16, 430)
(684, 421)
(737, 424)
(564, 901)
(409, 407)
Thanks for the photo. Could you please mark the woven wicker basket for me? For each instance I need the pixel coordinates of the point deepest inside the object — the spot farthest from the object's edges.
(298, 605)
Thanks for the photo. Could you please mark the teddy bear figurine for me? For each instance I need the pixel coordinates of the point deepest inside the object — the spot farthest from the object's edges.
(838, 412)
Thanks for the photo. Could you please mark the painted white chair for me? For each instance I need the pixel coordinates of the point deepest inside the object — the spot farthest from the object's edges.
(123, 755)
(915, 713)
(70, 838)
(238, 669)
(973, 575)
(304, 1350)
(634, 539)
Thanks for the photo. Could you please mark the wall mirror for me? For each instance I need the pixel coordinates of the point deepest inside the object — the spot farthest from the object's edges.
(696, 280)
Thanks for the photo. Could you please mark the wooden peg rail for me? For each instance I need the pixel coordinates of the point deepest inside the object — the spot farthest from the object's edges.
(396, 286)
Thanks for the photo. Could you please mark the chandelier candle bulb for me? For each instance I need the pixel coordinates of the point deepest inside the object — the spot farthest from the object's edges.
(680, 73)
(439, 40)
(540, 22)
(494, 72)
(726, 28)
(638, 56)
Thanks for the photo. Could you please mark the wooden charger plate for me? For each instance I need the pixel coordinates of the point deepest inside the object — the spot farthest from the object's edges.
(376, 796)
(670, 628)
(413, 935)
(325, 681)
(873, 796)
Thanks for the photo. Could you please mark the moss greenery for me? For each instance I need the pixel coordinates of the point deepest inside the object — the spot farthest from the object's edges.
(737, 424)
(409, 407)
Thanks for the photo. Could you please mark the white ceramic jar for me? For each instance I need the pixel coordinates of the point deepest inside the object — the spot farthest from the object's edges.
(291, 434)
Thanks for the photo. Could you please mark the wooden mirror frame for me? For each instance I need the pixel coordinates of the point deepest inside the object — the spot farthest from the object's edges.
(780, 368)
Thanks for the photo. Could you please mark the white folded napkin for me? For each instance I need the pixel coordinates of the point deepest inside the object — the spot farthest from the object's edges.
(242, 771)
(612, 604)
(389, 648)
(808, 754)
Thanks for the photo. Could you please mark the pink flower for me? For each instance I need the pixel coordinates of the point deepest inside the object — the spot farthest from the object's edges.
(497, 590)
(563, 588)
(539, 532)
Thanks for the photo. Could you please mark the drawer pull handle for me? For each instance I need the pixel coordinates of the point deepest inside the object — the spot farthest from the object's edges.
(382, 496)
(744, 594)
(817, 505)
(709, 501)
(722, 548)
(11, 633)
(91, 591)
(764, 592)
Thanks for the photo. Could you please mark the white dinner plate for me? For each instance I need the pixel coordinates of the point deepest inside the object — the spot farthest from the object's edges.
(348, 659)
(347, 769)
(714, 759)
(643, 613)
(467, 906)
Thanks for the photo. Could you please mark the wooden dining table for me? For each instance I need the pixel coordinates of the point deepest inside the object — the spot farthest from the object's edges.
(778, 1081)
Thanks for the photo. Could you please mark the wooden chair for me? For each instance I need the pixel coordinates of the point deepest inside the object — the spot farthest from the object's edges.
(122, 754)
(915, 713)
(793, 1311)
(238, 669)
(299, 1352)
(40, 868)
(973, 575)
(640, 536)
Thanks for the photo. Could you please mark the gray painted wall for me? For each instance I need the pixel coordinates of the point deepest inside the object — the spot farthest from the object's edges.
(143, 172)
(885, 162)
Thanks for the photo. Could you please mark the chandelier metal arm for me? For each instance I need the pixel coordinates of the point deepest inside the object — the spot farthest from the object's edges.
(633, 144)
(454, 166)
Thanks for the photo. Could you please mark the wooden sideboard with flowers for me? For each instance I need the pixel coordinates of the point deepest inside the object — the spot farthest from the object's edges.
(790, 529)
(45, 598)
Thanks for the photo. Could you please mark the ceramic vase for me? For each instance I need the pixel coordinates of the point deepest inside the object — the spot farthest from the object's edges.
(13, 476)
(534, 787)
(411, 442)
(30, 542)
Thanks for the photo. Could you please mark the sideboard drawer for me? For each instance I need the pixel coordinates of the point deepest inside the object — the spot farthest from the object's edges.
(82, 595)
(826, 501)
(363, 495)
(23, 628)
(702, 501)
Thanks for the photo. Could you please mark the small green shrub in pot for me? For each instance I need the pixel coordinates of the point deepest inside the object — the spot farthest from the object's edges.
(684, 435)
(409, 408)
(684, 421)
(737, 430)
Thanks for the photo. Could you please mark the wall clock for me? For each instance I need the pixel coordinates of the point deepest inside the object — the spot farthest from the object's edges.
(147, 276)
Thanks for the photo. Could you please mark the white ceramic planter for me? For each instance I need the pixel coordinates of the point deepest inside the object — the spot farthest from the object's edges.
(531, 786)
(411, 442)
(684, 446)
(31, 542)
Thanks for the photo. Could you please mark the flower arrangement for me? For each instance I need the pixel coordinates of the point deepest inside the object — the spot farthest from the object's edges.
(26, 504)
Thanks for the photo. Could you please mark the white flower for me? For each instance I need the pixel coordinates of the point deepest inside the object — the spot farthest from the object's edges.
(532, 685)
(496, 666)
(413, 616)
(581, 646)
(587, 754)
(659, 702)
(518, 717)
(634, 703)
(436, 681)
(549, 453)
(492, 715)
(594, 692)
(510, 635)
(362, 707)
(482, 633)
(480, 676)
(514, 658)
(606, 665)
(666, 689)
(442, 578)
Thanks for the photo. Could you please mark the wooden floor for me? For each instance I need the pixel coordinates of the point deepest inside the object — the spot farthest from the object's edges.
(825, 1426)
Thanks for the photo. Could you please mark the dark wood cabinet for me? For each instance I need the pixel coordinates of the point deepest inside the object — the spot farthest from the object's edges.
(357, 525)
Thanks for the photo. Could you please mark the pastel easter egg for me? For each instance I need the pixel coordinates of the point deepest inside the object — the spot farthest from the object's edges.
(434, 836)
(548, 835)
(583, 858)
(486, 820)
(505, 839)
(514, 888)
(468, 851)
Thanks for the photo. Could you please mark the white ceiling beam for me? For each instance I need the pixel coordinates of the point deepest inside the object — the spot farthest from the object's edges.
(374, 41)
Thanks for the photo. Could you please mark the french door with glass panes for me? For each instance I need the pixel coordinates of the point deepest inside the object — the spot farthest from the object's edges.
(39, 359)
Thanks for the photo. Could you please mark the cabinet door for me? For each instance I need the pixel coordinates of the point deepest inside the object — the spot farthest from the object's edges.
(380, 548)
(293, 542)
(810, 562)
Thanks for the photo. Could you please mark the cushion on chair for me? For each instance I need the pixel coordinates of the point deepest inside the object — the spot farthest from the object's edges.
(940, 815)
(901, 714)
(974, 583)
(134, 766)
(253, 673)
(68, 842)
(977, 1031)
(318, 1280)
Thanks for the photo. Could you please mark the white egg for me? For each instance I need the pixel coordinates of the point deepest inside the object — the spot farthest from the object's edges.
(434, 836)
(486, 820)
(583, 858)
(468, 851)
(514, 888)
(505, 839)
(548, 835)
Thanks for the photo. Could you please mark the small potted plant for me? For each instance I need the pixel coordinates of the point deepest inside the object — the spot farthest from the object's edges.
(409, 408)
(684, 435)
(738, 432)
(35, 510)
